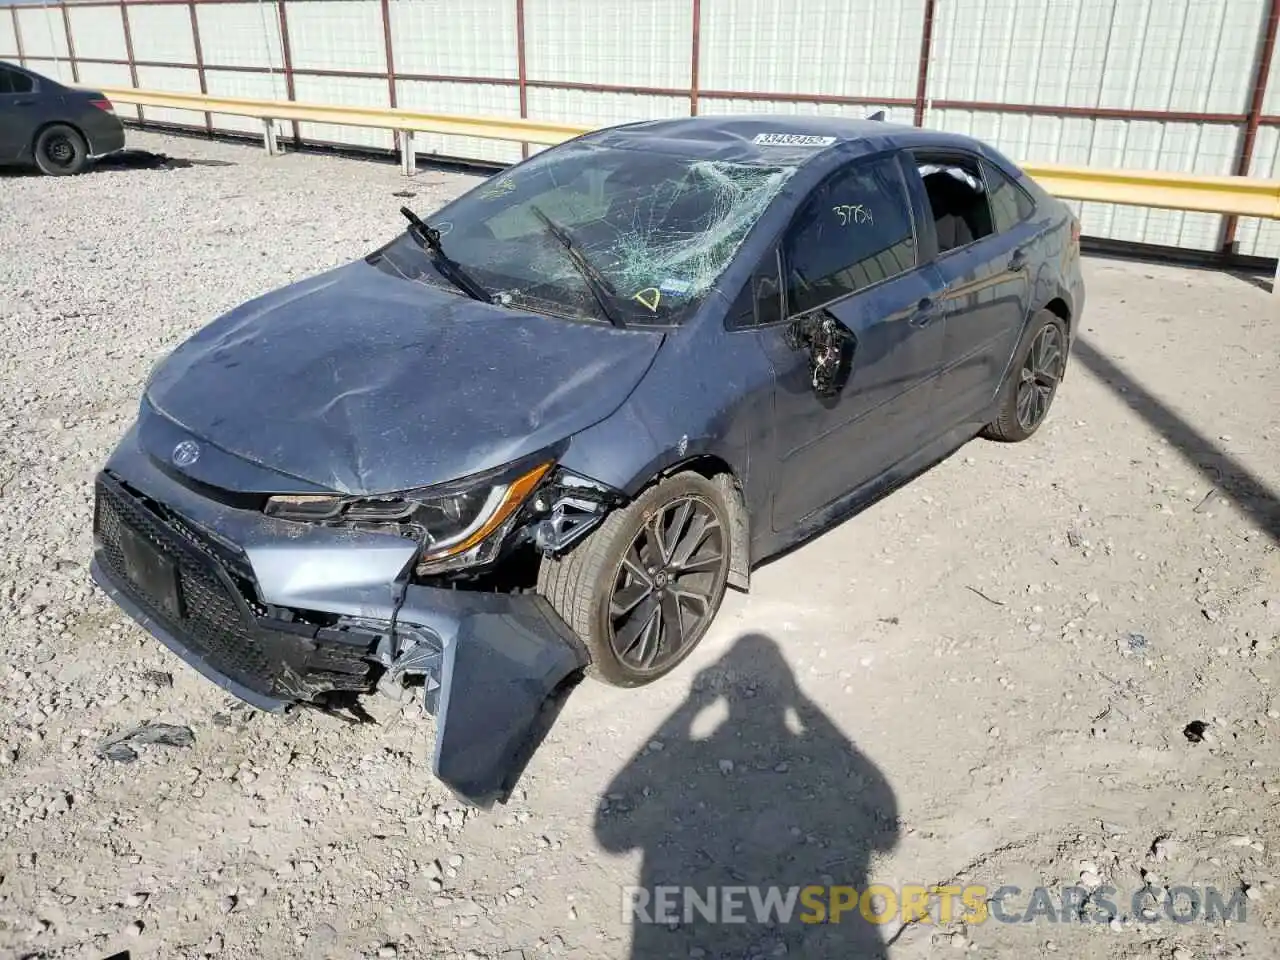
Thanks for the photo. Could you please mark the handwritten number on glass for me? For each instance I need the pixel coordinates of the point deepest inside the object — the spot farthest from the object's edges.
(499, 189)
(854, 213)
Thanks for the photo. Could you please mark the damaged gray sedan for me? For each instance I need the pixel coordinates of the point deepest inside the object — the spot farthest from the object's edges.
(539, 433)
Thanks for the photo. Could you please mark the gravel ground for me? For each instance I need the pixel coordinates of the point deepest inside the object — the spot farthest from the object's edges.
(986, 678)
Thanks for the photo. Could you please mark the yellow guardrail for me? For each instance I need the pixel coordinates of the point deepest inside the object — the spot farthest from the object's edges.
(385, 118)
(1239, 196)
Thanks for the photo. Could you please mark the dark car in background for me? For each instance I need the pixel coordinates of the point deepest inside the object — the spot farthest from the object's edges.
(51, 126)
(538, 436)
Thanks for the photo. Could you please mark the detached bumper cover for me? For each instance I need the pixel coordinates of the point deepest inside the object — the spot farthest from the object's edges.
(506, 666)
(496, 667)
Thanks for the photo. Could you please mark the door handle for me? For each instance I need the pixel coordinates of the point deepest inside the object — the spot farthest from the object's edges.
(24, 103)
(1018, 260)
(925, 312)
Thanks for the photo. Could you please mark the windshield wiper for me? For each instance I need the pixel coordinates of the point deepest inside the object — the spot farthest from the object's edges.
(603, 292)
(428, 238)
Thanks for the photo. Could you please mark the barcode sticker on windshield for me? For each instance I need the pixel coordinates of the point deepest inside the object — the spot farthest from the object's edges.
(792, 140)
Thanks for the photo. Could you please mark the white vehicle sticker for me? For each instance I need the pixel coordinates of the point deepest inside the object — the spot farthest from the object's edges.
(792, 140)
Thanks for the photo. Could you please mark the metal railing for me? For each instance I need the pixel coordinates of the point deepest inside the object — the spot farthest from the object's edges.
(1242, 196)
(406, 122)
(1226, 195)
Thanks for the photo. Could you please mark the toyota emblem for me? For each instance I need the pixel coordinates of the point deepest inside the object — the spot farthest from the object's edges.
(185, 453)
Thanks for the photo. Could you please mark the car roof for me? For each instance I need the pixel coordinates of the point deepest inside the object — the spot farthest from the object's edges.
(19, 68)
(785, 139)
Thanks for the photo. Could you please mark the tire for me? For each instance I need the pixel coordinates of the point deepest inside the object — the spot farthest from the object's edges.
(1039, 365)
(60, 151)
(584, 584)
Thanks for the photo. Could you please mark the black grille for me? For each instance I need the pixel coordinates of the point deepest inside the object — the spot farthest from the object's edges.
(216, 624)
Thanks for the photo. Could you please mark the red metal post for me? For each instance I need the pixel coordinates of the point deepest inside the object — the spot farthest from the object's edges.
(1261, 72)
(522, 72)
(926, 53)
(128, 52)
(390, 52)
(17, 36)
(286, 57)
(195, 40)
(390, 56)
(693, 58)
(71, 45)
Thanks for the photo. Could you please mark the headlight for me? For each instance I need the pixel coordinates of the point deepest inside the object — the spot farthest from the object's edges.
(456, 523)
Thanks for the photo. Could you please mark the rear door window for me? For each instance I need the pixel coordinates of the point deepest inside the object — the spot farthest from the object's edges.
(854, 231)
(958, 201)
(13, 82)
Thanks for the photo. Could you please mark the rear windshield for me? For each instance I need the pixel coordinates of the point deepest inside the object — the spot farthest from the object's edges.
(659, 228)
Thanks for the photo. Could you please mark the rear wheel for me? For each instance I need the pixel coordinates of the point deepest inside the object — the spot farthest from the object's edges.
(1032, 382)
(642, 589)
(60, 151)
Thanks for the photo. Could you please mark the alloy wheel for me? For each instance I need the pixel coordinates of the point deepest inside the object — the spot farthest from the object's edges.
(663, 590)
(1039, 376)
(60, 151)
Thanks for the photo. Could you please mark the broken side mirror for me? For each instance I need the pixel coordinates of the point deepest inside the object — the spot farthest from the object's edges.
(830, 345)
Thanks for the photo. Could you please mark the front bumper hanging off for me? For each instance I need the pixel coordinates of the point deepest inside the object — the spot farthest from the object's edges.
(495, 668)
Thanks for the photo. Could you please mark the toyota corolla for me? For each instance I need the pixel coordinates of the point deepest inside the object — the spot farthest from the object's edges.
(537, 434)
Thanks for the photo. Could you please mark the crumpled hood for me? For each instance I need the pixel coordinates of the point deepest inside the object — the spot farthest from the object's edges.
(362, 382)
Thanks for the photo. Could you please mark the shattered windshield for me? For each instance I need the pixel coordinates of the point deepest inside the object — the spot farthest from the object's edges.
(660, 229)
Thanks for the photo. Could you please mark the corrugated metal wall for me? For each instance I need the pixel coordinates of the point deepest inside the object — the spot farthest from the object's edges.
(1156, 63)
(1155, 84)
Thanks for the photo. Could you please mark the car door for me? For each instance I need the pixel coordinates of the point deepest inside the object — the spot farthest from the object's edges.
(854, 335)
(17, 112)
(987, 273)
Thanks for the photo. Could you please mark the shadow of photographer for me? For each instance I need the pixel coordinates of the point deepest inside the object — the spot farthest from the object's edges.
(773, 799)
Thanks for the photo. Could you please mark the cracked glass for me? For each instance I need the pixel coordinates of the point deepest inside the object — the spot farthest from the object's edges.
(659, 228)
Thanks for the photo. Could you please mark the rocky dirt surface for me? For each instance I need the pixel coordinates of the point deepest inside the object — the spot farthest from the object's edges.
(1049, 664)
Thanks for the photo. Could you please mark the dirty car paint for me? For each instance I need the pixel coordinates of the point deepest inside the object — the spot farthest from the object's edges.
(360, 382)
(381, 378)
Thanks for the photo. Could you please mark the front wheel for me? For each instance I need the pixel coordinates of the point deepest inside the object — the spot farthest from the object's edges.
(642, 589)
(1032, 382)
(60, 151)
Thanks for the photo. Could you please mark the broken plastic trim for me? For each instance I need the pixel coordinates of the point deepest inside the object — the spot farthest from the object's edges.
(495, 668)
(830, 345)
(414, 659)
(571, 507)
